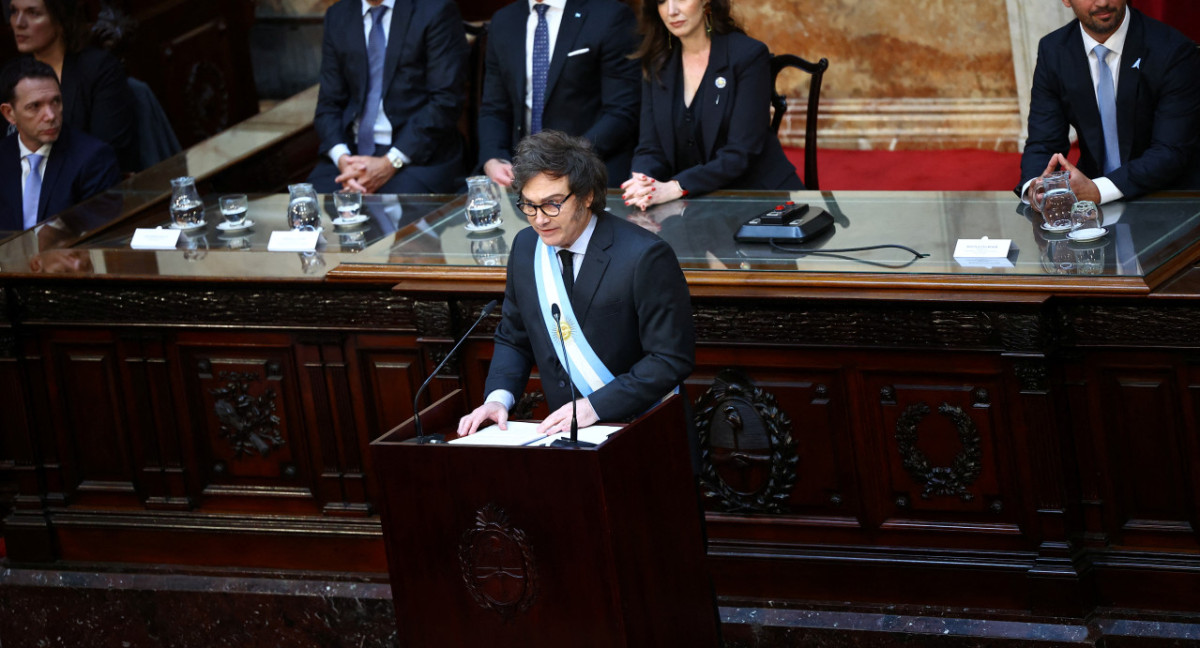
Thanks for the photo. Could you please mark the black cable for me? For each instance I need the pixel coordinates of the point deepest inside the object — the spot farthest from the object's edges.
(833, 253)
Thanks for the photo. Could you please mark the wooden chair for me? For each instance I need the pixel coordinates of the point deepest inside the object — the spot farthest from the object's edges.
(779, 103)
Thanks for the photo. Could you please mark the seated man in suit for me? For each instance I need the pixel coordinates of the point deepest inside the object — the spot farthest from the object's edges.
(392, 75)
(45, 166)
(626, 315)
(1128, 84)
(573, 74)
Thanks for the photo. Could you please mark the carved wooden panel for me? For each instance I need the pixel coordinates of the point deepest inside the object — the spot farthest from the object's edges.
(946, 450)
(91, 423)
(196, 57)
(789, 453)
(241, 409)
(150, 398)
(1147, 456)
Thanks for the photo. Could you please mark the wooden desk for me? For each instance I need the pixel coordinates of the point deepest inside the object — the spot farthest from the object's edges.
(1020, 438)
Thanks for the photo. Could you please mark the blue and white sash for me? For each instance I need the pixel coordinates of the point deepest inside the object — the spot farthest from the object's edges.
(587, 371)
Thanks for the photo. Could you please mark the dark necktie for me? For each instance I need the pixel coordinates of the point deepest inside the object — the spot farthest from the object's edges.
(568, 270)
(376, 52)
(541, 68)
(33, 191)
(1107, 102)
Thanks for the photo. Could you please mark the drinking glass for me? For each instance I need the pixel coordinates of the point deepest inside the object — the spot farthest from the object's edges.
(233, 208)
(1085, 215)
(348, 203)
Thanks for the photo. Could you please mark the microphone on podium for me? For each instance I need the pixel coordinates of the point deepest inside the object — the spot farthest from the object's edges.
(574, 442)
(438, 438)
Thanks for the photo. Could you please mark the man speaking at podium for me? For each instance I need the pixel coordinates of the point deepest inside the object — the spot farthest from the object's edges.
(614, 292)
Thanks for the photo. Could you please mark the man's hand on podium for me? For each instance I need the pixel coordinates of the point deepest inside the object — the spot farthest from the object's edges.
(489, 411)
(560, 419)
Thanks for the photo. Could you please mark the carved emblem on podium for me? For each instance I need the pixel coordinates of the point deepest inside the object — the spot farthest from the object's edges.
(248, 422)
(963, 470)
(748, 457)
(497, 564)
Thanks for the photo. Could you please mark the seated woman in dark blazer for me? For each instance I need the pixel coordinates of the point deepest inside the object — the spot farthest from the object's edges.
(706, 98)
(96, 95)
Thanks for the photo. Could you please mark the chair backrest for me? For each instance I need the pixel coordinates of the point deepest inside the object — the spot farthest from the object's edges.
(779, 103)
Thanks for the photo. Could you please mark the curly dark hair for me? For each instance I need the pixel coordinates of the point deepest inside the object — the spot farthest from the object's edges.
(557, 154)
(657, 42)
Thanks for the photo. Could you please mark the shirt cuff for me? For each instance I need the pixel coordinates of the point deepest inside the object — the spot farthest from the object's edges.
(407, 160)
(1108, 190)
(1025, 191)
(502, 396)
(337, 152)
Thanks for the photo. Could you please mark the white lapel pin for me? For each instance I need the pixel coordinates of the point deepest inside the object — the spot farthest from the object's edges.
(720, 82)
(578, 15)
(1137, 65)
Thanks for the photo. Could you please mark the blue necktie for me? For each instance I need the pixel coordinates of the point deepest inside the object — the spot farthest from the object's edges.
(541, 68)
(376, 52)
(1107, 101)
(33, 191)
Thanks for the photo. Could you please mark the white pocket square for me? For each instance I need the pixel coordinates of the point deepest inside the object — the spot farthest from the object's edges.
(578, 52)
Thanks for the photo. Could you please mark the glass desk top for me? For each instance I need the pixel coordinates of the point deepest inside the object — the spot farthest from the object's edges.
(406, 233)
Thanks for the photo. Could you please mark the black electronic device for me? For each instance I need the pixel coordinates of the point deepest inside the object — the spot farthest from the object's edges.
(786, 223)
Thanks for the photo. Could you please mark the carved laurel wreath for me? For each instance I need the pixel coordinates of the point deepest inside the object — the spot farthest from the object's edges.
(248, 422)
(940, 480)
(773, 497)
(491, 521)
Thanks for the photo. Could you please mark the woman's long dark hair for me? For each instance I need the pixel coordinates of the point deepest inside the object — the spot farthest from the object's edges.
(67, 14)
(657, 42)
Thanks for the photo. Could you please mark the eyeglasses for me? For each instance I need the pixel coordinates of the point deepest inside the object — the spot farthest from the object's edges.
(550, 209)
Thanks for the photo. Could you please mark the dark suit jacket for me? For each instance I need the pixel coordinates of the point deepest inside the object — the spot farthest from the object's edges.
(423, 83)
(97, 100)
(633, 304)
(740, 151)
(79, 167)
(594, 94)
(1158, 108)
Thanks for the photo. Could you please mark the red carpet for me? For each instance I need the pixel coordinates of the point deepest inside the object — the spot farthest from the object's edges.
(952, 170)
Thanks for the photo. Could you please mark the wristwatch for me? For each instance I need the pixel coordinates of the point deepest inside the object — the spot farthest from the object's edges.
(393, 156)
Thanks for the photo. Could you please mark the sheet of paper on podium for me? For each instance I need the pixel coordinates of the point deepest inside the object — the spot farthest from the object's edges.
(522, 433)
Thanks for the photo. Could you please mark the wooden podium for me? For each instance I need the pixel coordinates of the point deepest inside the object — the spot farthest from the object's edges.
(520, 546)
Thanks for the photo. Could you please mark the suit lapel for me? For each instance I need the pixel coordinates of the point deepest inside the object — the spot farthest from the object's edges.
(397, 34)
(663, 99)
(595, 263)
(716, 100)
(59, 152)
(11, 216)
(1127, 86)
(1077, 77)
(574, 15)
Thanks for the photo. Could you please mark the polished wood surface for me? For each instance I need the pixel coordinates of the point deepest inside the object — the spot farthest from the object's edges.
(545, 546)
(1020, 439)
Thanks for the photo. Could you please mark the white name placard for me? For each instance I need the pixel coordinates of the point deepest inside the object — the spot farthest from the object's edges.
(983, 248)
(145, 238)
(294, 241)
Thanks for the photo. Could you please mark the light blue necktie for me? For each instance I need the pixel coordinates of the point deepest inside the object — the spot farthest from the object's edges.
(376, 52)
(33, 190)
(1107, 101)
(541, 68)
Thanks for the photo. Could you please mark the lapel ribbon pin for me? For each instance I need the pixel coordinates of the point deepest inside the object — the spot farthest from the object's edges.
(1137, 65)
